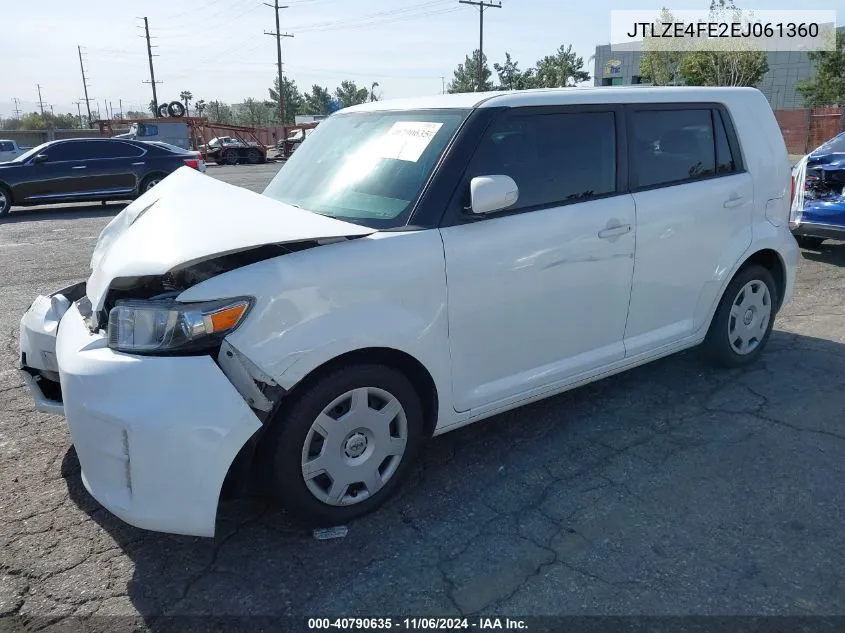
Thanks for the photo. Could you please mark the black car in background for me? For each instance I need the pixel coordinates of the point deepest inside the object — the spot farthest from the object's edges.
(89, 169)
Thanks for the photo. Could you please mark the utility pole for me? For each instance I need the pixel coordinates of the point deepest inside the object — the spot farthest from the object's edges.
(150, 55)
(279, 35)
(40, 101)
(17, 103)
(79, 111)
(481, 6)
(84, 85)
(443, 85)
(120, 101)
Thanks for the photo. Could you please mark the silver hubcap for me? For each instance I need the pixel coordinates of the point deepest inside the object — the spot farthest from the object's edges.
(354, 446)
(749, 317)
(3, 201)
(153, 183)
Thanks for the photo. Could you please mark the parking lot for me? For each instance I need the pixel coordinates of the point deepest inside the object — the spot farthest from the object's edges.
(672, 489)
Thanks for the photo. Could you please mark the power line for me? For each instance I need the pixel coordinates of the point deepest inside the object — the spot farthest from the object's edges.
(150, 56)
(279, 35)
(481, 6)
(84, 85)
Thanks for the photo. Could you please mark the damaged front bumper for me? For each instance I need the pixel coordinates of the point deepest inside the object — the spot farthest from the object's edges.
(155, 436)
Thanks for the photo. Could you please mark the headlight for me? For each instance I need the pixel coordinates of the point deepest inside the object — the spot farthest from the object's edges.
(163, 327)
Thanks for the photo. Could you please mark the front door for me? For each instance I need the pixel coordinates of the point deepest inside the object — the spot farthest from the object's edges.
(539, 293)
(61, 176)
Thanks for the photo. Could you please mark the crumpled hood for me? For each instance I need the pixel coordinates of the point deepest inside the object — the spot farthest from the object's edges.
(189, 217)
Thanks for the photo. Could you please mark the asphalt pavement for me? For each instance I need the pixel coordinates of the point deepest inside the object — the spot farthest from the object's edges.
(672, 489)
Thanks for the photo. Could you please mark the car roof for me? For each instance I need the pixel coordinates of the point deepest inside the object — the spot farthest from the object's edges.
(555, 96)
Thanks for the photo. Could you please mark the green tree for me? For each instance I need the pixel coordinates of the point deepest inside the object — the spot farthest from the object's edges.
(725, 63)
(828, 85)
(318, 101)
(200, 106)
(220, 112)
(134, 114)
(658, 65)
(37, 121)
(253, 112)
(465, 77)
(186, 96)
(293, 99)
(562, 69)
(349, 94)
(511, 77)
(374, 96)
(153, 108)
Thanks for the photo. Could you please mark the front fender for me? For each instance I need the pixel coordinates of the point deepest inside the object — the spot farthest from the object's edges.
(387, 291)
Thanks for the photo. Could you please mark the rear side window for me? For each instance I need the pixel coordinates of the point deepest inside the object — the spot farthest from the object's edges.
(113, 149)
(553, 158)
(672, 146)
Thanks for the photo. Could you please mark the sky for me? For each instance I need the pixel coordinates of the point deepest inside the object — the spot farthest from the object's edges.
(217, 48)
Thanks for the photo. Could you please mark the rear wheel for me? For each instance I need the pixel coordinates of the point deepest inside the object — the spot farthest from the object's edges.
(743, 321)
(5, 201)
(230, 157)
(150, 181)
(346, 443)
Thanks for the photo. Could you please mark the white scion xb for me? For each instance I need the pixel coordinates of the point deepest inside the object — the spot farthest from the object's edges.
(416, 266)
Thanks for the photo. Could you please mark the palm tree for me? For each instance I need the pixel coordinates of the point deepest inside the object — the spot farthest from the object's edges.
(200, 106)
(186, 96)
(373, 96)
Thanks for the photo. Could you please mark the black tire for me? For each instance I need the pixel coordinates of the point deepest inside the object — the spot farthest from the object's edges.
(230, 157)
(717, 348)
(149, 181)
(283, 445)
(5, 201)
(176, 109)
(162, 110)
(253, 156)
(807, 241)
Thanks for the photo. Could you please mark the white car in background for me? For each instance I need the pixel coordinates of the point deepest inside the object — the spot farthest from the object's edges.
(415, 267)
(9, 150)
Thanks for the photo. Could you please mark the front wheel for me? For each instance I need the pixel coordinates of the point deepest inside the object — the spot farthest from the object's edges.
(743, 321)
(230, 157)
(345, 443)
(5, 201)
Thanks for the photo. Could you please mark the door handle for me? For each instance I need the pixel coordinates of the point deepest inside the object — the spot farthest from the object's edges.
(79, 167)
(614, 231)
(141, 163)
(734, 201)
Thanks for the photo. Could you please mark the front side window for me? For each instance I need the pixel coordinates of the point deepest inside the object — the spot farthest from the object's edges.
(672, 146)
(5, 146)
(366, 167)
(553, 158)
(68, 150)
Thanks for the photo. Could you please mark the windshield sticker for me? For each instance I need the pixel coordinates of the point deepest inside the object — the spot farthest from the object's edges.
(407, 140)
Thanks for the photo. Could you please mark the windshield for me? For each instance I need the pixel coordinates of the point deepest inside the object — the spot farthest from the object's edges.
(29, 154)
(834, 145)
(369, 167)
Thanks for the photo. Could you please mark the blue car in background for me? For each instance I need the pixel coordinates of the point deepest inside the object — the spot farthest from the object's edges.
(818, 208)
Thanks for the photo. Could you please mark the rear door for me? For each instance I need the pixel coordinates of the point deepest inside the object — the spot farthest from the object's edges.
(694, 203)
(112, 166)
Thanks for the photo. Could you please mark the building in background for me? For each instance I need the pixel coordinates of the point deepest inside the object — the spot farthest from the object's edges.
(786, 69)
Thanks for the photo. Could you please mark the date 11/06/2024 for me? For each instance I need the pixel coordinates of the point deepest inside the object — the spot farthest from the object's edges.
(412, 624)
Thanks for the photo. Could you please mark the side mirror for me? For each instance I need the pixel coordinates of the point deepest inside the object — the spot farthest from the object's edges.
(40, 158)
(492, 193)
